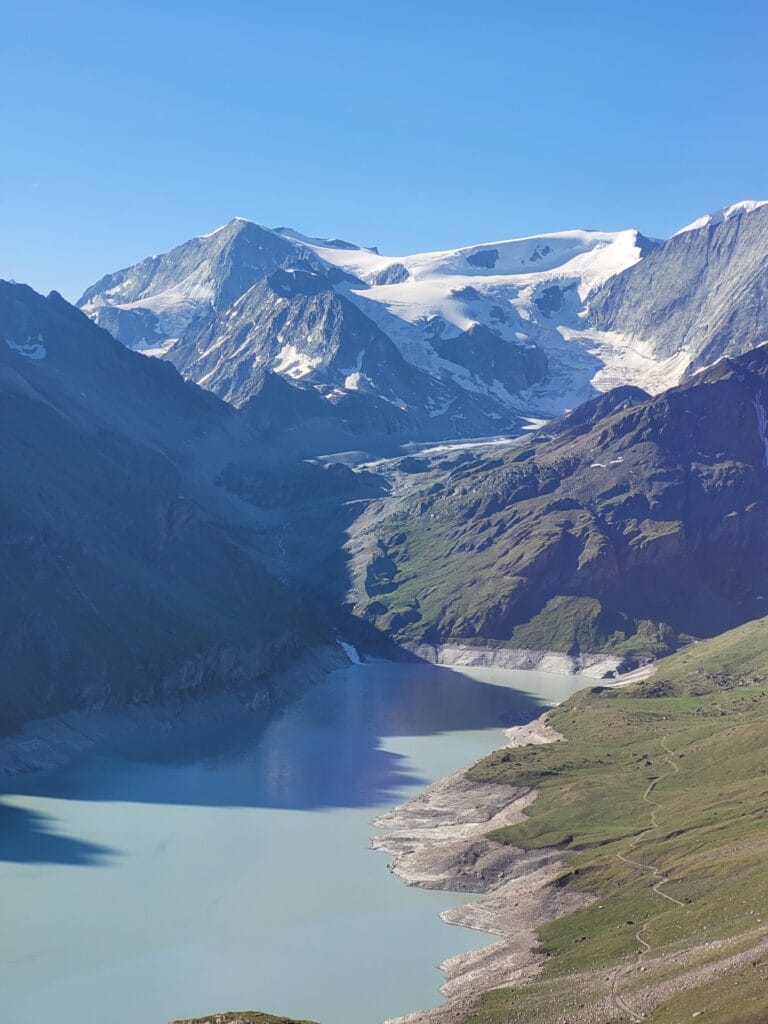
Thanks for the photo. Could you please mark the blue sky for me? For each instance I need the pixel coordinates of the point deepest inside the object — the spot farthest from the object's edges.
(127, 128)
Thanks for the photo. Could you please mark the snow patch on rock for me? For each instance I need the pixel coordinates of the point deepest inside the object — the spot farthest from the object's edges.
(32, 348)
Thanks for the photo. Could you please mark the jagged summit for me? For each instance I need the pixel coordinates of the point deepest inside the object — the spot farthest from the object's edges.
(464, 341)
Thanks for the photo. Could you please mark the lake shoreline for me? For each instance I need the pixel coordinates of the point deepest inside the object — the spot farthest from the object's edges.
(46, 744)
(459, 654)
(438, 840)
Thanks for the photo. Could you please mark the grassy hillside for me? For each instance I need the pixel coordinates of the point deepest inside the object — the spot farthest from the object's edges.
(660, 799)
(733, 658)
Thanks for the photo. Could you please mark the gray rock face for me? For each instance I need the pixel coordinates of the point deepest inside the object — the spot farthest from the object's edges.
(702, 293)
(458, 343)
(215, 268)
(162, 296)
(395, 273)
(295, 323)
(487, 258)
(228, 307)
(483, 352)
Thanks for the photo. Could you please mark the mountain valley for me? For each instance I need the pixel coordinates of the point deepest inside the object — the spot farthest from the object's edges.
(249, 461)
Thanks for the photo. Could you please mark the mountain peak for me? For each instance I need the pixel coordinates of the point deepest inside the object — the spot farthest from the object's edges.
(234, 224)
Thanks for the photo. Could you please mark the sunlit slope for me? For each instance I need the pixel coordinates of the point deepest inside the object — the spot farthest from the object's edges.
(661, 803)
(626, 526)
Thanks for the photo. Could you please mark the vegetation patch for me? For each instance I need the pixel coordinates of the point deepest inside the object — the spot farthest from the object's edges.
(660, 801)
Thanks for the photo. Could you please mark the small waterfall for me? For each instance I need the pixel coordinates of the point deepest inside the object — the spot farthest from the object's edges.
(350, 652)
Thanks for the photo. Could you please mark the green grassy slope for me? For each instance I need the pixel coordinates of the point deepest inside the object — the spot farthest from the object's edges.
(738, 656)
(678, 781)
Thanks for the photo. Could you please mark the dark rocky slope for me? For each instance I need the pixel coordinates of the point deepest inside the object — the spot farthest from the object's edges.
(152, 542)
(628, 525)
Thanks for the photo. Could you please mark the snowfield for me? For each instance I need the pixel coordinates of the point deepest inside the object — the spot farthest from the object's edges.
(449, 314)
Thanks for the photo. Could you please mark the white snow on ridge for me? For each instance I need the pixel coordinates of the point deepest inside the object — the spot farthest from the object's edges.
(221, 227)
(720, 216)
(444, 295)
(525, 292)
(496, 285)
(527, 256)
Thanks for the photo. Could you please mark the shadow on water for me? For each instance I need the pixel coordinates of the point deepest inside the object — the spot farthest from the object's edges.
(327, 750)
(28, 837)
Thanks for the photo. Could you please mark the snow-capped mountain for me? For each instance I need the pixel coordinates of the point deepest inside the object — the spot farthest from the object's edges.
(229, 306)
(459, 342)
(158, 298)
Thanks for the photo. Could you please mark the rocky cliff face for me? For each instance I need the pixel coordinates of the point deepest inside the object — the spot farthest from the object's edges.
(460, 343)
(624, 526)
(295, 324)
(701, 295)
(449, 340)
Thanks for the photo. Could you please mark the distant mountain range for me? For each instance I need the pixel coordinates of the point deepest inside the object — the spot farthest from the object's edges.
(159, 538)
(466, 342)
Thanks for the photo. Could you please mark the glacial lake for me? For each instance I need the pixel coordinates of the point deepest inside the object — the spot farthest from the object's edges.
(228, 866)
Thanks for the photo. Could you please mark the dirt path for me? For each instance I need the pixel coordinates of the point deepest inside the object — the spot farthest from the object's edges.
(658, 877)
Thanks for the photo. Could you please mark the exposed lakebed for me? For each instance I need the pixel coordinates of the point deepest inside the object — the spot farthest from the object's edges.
(227, 864)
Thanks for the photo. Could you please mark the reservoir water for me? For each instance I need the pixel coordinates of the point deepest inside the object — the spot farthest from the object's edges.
(227, 866)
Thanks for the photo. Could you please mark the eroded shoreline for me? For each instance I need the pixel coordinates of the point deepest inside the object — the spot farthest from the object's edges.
(438, 840)
(526, 659)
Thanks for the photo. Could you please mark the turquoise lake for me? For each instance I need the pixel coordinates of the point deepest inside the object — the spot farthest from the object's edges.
(228, 866)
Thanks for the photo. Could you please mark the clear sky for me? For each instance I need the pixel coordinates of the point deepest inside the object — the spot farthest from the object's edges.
(128, 127)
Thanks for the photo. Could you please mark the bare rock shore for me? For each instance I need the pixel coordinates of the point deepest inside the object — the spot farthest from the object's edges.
(50, 743)
(596, 666)
(438, 840)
